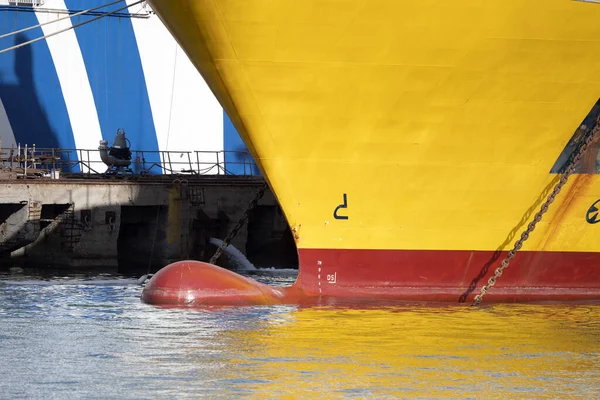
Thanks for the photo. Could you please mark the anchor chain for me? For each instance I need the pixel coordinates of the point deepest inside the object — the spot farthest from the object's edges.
(591, 135)
(240, 223)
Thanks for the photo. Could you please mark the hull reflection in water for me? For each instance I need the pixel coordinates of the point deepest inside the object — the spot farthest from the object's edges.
(57, 335)
(504, 351)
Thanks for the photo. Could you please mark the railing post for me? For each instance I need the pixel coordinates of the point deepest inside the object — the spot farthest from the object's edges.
(33, 157)
(25, 161)
(190, 162)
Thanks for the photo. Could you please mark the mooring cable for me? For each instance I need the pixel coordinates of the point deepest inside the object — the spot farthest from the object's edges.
(57, 20)
(69, 28)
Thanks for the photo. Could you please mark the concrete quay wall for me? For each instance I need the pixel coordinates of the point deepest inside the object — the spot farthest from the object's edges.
(134, 224)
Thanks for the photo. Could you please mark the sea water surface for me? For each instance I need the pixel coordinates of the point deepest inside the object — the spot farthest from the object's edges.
(90, 337)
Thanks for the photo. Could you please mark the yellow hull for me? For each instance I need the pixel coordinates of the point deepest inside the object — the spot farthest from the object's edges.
(439, 122)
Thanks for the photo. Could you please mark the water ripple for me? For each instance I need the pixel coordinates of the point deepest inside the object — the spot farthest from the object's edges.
(91, 337)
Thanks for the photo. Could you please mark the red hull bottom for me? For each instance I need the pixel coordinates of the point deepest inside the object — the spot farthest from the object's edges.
(364, 276)
(450, 276)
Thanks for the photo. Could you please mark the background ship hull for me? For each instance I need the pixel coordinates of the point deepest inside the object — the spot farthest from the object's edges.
(122, 71)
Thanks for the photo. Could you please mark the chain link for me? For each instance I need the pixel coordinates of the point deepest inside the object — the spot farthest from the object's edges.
(238, 226)
(591, 135)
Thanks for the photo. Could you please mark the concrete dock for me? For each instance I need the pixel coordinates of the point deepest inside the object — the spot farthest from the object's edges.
(136, 223)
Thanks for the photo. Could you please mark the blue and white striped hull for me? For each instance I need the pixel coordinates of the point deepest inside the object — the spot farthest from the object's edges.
(123, 71)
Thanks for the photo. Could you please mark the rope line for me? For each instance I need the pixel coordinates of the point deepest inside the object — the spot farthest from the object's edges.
(172, 95)
(59, 19)
(69, 28)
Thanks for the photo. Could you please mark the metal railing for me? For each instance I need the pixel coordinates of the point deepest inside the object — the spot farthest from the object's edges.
(43, 161)
(27, 3)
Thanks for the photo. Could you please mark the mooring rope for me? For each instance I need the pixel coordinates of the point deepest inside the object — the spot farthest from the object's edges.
(69, 28)
(58, 19)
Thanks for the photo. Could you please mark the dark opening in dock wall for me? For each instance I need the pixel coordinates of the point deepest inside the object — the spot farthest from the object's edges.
(270, 242)
(50, 212)
(6, 210)
(142, 237)
(204, 228)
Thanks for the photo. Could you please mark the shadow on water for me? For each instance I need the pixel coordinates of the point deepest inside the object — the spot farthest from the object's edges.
(28, 119)
(511, 236)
